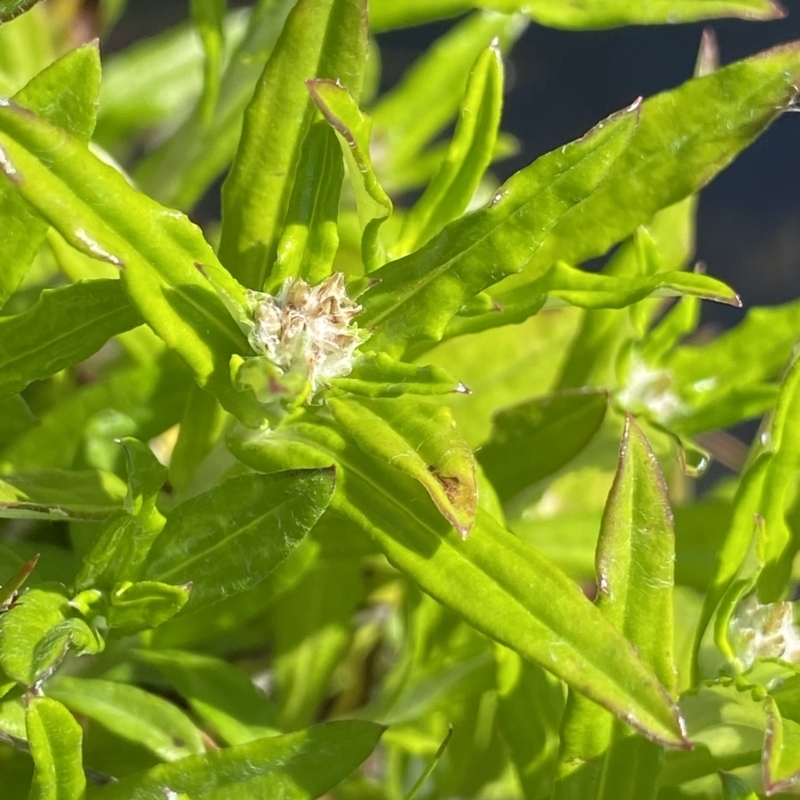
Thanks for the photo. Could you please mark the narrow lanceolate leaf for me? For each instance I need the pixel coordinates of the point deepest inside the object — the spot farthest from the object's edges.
(635, 562)
(410, 115)
(230, 538)
(566, 285)
(23, 231)
(535, 439)
(56, 743)
(310, 235)
(684, 138)
(156, 249)
(418, 295)
(209, 17)
(321, 39)
(468, 156)
(58, 494)
(379, 375)
(132, 713)
(63, 328)
(386, 14)
(421, 440)
(781, 762)
(180, 171)
(218, 693)
(354, 130)
(500, 585)
(13, 8)
(763, 492)
(613, 13)
(297, 766)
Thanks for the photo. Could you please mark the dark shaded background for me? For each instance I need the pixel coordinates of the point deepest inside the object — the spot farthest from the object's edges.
(561, 83)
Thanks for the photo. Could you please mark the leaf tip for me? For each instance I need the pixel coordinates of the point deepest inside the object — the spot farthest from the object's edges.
(462, 389)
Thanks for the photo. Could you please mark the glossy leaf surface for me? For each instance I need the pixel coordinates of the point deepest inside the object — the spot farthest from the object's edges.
(100, 214)
(584, 14)
(535, 439)
(421, 440)
(354, 130)
(131, 713)
(55, 740)
(230, 538)
(635, 562)
(63, 328)
(297, 766)
(37, 632)
(321, 39)
(218, 692)
(23, 232)
(419, 294)
(56, 494)
(500, 585)
(468, 156)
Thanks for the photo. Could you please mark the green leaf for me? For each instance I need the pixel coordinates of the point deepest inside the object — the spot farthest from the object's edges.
(613, 13)
(321, 39)
(311, 627)
(387, 14)
(595, 350)
(535, 439)
(55, 739)
(781, 750)
(419, 439)
(141, 401)
(209, 17)
(684, 137)
(131, 713)
(37, 631)
(354, 130)
(218, 693)
(734, 788)
(531, 704)
(635, 555)
(411, 114)
(470, 152)
(95, 209)
(379, 375)
(428, 771)
(180, 171)
(310, 236)
(418, 295)
(201, 427)
(144, 605)
(63, 328)
(297, 766)
(56, 494)
(230, 538)
(498, 584)
(13, 8)
(23, 231)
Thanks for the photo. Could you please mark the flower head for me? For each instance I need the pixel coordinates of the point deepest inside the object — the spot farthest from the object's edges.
(307, 329)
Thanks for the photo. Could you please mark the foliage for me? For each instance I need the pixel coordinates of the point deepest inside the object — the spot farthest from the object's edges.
(329, 498)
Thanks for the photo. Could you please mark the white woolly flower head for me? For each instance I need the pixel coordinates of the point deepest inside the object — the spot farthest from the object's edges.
(764, 631)
(307, 329)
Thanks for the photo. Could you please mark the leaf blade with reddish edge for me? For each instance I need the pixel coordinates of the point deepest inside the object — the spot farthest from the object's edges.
(95, 209)
(635, 565)
(495, 581)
